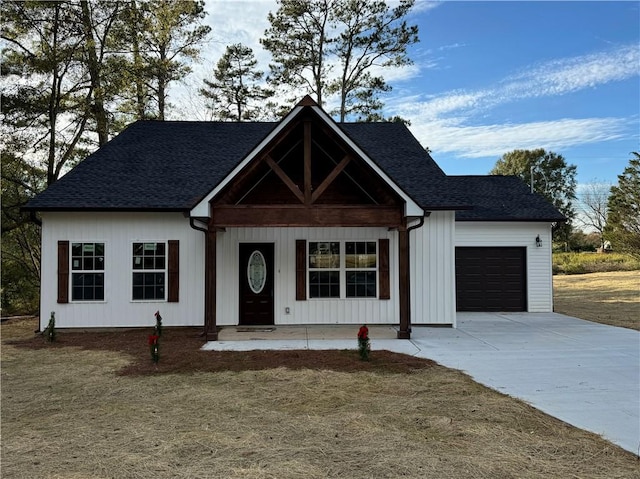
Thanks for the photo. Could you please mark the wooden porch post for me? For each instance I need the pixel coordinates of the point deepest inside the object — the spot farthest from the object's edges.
(210, 329)
(405, 283)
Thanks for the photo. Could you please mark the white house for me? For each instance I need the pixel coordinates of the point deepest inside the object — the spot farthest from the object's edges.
(305, 221)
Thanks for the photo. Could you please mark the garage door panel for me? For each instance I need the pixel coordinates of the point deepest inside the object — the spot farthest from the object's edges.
(491, 279)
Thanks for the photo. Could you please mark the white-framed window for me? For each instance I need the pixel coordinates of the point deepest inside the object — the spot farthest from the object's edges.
(324, 269)
(343, 269)
(149, 271)
(361, 269)
(87, 271)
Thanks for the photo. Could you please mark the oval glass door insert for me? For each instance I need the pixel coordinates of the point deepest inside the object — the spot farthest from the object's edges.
(257, 272)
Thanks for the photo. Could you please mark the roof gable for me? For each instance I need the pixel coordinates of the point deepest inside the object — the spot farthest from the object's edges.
(179, 166)
(309, 108)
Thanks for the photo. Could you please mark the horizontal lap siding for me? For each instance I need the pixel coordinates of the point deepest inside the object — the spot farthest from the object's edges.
(118, 231)
(310, 311)
(538, 260)
(432, 271)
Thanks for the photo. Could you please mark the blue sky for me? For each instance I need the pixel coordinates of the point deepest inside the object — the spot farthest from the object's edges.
(490, 77)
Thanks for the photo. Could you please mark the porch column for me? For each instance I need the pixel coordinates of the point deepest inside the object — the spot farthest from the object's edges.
(405, 283)
(210, 329)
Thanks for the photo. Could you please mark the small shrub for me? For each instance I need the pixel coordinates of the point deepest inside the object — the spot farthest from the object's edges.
(154, 347)
(49, 332)
(158, 323)
(364, 346)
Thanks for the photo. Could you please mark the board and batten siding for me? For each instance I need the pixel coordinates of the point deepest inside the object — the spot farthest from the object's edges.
(517, 234)
(433, 299)
(118, 231)
(432, 272)
(309, 311)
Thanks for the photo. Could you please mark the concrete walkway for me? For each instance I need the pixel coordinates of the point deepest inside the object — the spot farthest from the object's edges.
(583, 373)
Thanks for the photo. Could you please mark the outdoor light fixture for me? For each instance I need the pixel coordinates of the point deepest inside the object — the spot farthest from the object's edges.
(538, 242)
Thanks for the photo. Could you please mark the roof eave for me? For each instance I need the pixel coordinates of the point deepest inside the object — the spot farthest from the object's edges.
(75, 209)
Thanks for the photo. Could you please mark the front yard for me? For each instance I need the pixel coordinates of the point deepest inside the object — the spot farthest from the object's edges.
(93, 405)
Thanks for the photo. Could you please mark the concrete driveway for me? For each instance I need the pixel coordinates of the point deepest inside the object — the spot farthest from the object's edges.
(583, 373)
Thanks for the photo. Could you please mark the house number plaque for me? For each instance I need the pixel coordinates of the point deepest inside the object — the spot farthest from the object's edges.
(257, 272)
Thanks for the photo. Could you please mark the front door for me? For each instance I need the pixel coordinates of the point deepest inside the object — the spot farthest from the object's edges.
(256, 283)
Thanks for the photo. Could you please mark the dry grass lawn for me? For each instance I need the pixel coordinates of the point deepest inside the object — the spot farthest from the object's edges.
(609, 298)
(96, 408)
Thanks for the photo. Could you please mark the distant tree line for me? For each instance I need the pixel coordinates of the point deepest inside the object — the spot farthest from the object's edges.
(612, 213)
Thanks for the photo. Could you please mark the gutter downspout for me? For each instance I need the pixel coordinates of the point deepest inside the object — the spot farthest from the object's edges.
(192, 223)
(409, 229)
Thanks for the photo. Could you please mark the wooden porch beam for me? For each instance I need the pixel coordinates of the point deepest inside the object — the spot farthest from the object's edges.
(210, 327)
(307, 163)
(404, 283)
(285, 178)
(300, 215)
(329, 179)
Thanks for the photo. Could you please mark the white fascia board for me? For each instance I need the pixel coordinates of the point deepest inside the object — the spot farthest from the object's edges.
(202, 209)
(411, 208)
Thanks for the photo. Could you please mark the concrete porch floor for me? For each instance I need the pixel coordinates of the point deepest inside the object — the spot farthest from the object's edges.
(320, 331)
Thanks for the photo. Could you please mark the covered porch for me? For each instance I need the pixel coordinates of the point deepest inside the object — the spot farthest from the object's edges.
(310, 180)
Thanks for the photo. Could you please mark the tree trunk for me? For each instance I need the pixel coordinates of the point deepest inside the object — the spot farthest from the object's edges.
(102, 124)
(141, 97)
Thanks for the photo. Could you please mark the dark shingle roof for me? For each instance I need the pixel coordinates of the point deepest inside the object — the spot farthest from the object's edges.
(154, 166)
(503, 198)
(394, 148)
(171, 166)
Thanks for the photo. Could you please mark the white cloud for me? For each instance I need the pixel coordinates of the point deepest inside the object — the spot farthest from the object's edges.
(443, 122)
(552, 78)
(494, 140)
(572, 74)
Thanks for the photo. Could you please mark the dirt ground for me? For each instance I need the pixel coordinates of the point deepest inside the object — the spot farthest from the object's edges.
(93, 405)
(180, 353)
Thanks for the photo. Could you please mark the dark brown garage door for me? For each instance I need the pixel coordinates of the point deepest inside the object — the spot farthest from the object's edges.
(491, 279)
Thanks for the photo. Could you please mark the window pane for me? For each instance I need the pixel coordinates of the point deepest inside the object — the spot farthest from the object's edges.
(324, 254)
(99, 293)
(137, 293)
(87, 287)
(324, 284)
(361, 254)
(361, 284)
(148, 286)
